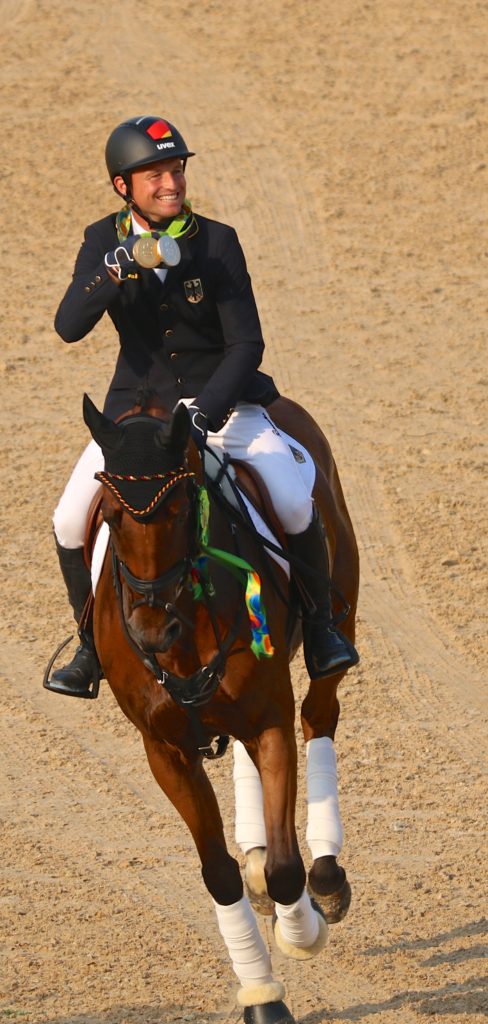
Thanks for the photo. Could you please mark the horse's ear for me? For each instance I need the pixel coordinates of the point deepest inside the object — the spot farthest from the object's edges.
(175, 435)
(104, 431)
(180, 426)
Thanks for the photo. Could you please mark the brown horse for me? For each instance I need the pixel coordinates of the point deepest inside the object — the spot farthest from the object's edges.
(185, 671)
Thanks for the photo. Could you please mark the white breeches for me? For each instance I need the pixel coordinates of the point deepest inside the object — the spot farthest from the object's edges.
(69, 519)
(249, 435)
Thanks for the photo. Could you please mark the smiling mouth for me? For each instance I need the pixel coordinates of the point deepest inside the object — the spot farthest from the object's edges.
(169, 197)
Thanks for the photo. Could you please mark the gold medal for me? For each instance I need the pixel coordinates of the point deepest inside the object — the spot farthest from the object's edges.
(152, 252)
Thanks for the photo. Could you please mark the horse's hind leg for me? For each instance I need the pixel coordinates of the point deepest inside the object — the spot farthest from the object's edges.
(187, 786)
(327, 880)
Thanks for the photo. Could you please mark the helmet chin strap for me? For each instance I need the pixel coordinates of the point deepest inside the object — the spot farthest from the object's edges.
(160, 225)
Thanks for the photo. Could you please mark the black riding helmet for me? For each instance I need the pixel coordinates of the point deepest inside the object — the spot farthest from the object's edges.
(140, 141)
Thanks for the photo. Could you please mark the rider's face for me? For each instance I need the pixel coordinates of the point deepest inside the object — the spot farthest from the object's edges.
(158, 189)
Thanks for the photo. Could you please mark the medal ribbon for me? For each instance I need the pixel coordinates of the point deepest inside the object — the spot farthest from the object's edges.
(178, 226)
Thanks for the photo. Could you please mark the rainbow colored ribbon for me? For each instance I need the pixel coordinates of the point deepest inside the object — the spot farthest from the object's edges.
(261, 645)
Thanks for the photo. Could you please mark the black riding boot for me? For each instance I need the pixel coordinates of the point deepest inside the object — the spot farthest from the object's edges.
(327, 651)
(80, 678)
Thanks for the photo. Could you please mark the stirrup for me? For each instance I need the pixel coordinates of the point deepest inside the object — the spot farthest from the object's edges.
(91, 692)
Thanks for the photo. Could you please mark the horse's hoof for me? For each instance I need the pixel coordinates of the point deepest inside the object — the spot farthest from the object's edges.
(328, 884)
(255, 882)
(268, 1013)
(335, 905)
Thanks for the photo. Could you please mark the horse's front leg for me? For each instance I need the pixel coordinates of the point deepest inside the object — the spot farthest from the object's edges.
(186, 784)
(300, 929)
(327, 879)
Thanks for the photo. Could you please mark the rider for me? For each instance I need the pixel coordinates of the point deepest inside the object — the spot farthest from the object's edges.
(190, 333)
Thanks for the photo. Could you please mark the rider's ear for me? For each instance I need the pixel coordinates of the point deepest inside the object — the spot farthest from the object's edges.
(104, 431)
(120, 185)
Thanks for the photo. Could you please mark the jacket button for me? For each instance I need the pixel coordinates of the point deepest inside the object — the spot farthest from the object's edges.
(98, 279)
(173, 355)
(87, 288)
(163, 307)
(169, 333)
(180, 380)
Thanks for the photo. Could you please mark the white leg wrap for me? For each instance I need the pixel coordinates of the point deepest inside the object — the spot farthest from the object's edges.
(249, 829)
(250, 958)
(300, 931)
(324, 826)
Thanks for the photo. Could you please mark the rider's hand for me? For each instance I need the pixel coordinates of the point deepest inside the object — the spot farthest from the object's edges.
(120, 261)
(199, 427)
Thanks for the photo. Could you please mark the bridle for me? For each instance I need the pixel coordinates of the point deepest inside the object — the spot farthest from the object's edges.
(189, 692)
(150, 589)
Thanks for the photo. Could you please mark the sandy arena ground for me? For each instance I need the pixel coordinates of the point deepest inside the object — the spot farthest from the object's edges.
(347, 143)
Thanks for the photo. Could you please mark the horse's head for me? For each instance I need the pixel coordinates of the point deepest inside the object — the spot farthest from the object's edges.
(150, 505)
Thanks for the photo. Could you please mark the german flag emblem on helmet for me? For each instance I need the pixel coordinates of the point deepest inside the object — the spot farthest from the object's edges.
(159, 130)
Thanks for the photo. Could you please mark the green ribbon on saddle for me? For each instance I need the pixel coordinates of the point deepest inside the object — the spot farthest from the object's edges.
(178, 226)
(261, 645)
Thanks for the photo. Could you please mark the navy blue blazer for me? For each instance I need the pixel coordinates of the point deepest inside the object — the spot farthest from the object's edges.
(197, 335)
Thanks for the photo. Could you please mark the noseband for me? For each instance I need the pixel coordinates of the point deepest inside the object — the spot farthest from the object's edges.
(149, 589)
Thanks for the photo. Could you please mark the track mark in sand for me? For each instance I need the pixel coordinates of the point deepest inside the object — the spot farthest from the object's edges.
(12, 11)
(437, 672)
